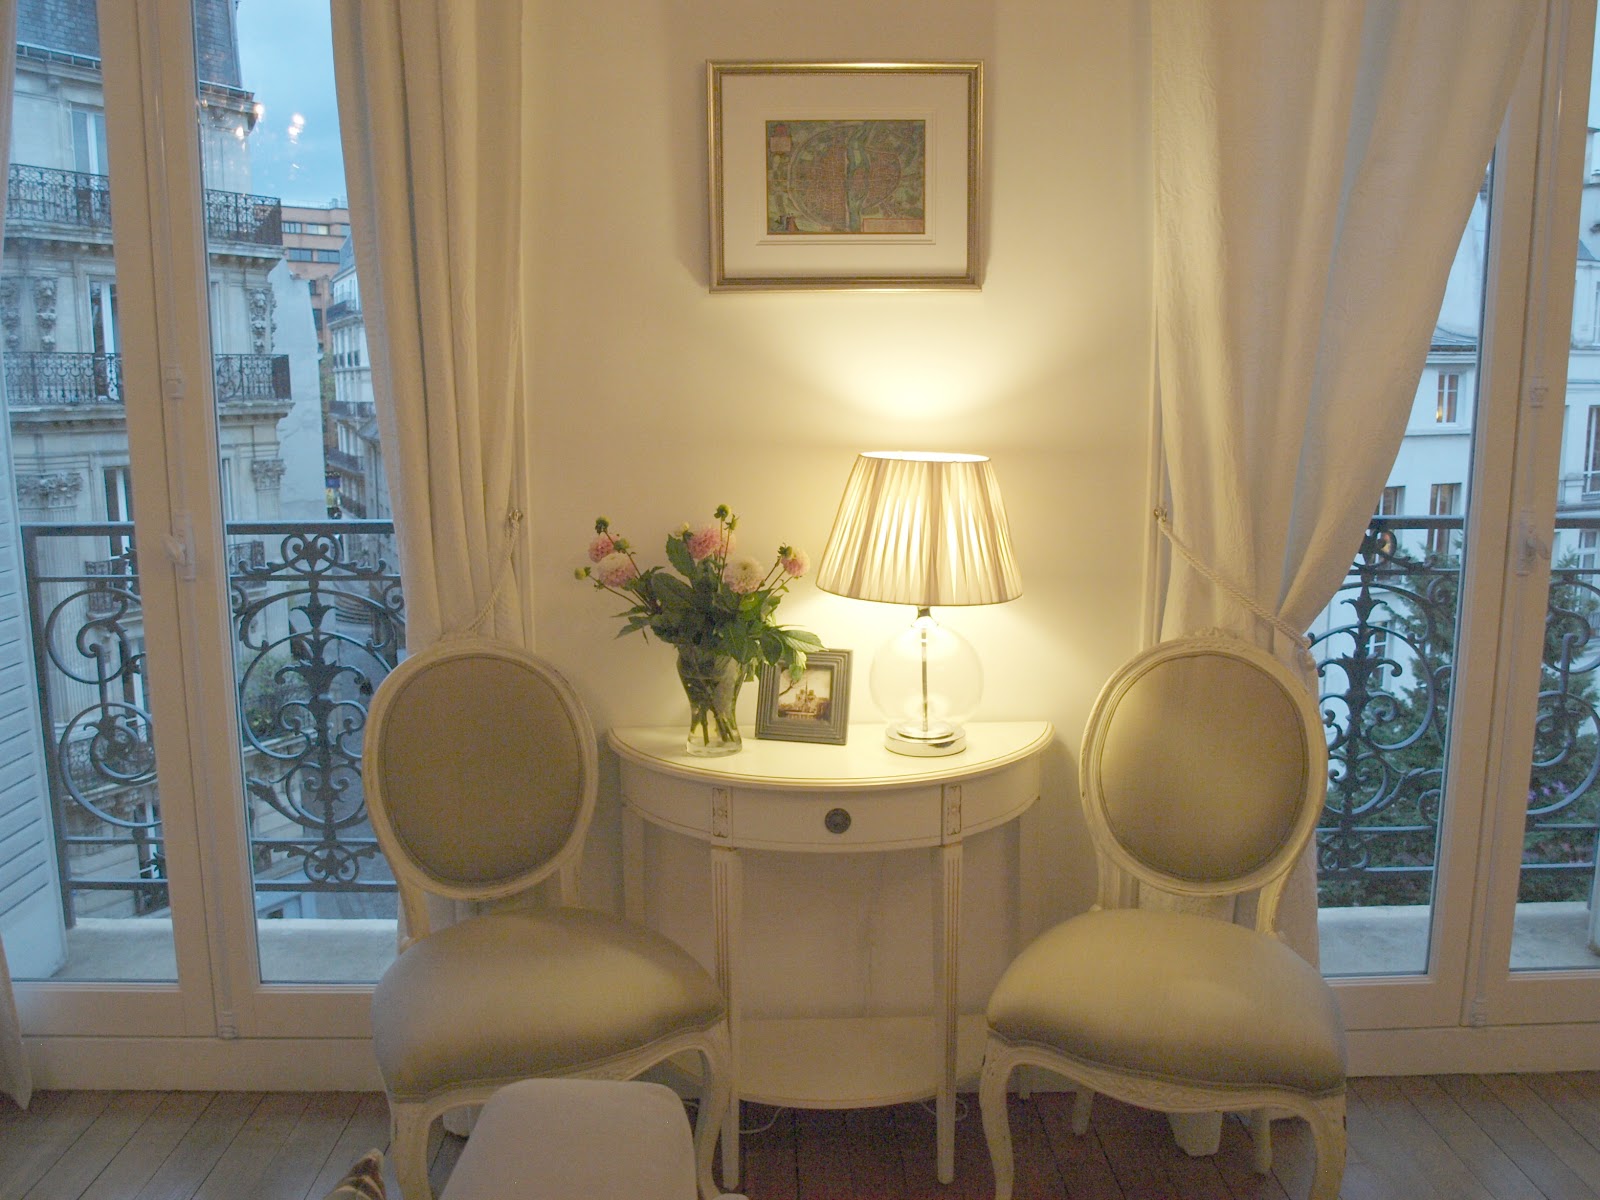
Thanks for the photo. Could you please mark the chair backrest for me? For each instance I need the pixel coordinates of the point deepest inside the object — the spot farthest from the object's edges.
(479, 768)
(1203, 770)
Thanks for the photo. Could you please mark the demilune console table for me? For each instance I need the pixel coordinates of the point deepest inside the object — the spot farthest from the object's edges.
(808, 798)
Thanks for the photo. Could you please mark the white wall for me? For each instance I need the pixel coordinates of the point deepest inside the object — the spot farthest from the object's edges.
(661, 400)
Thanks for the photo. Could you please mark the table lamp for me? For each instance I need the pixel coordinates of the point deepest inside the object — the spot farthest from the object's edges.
(922, 529)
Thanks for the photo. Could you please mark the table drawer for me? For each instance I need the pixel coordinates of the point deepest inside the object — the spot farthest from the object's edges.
(769, 820)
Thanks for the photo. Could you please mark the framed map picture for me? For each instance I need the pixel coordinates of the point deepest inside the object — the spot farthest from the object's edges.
(831, 175)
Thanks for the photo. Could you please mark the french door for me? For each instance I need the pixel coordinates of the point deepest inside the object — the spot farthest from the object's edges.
(204, 592)
(1459, 662)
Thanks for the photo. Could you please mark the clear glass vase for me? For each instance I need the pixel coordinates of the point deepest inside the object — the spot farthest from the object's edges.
(711, 682)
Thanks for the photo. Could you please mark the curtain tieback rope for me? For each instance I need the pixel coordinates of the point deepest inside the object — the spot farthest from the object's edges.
(508, 549)
(1297, 636)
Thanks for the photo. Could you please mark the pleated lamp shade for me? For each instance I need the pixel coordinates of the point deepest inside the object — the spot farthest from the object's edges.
(923, 529)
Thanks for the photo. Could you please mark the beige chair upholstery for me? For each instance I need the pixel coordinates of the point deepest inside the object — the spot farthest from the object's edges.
(479, 766)
(1202, 775)
(578, 1139)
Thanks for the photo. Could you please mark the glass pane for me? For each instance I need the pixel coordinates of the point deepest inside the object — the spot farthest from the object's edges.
(317, 617)
(83, 893)
(1555, 927)
(1385, 649)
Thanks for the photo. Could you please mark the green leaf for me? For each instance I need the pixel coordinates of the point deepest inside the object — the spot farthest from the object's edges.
(678, 556)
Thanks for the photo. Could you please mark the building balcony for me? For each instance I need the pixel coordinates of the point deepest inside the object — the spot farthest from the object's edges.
(1385, 655)
(52, 380)
(45, 200)
(342, 460)
(318, 622)
(343, 310)
(56, 380)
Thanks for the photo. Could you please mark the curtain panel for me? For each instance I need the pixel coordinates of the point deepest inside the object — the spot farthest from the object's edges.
(1315, 164)
(433, 100)
(16, 1080)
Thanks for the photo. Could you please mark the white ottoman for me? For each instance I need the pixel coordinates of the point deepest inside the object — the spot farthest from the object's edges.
(580, 1138)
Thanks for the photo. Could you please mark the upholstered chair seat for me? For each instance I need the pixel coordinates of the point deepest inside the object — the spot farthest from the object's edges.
(1175, 997)
(525, 994)
(1202, 775)
(480, 769)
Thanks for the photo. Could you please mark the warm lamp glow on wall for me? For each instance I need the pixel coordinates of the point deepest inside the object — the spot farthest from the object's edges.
(923, 529)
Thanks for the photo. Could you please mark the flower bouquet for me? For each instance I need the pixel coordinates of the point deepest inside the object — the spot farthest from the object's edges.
(715, 607)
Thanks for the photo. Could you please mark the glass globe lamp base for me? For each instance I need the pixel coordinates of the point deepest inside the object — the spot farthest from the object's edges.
(932, 744)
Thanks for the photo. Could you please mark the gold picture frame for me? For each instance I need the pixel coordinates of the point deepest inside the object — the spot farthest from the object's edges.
(813, 708)
(844, 175)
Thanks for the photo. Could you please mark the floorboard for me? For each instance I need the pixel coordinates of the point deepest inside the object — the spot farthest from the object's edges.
(1447, 1137)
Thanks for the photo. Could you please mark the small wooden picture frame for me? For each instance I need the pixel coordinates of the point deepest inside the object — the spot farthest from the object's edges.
(813, 708)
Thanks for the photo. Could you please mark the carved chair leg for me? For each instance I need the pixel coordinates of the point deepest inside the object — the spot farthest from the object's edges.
(1261, 1139)
(996, 1123)
(715, 1093)
(1326, 1118)
(1081, 1104)
(408, 1147)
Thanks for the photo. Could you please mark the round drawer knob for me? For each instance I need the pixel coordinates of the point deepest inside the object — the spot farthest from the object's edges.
(837, 820)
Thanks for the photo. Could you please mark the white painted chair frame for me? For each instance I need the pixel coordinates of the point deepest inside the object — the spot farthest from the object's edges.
(410, 1121)
(1324, 1114)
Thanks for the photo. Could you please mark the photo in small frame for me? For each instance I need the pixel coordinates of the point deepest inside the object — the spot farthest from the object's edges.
(813, 708)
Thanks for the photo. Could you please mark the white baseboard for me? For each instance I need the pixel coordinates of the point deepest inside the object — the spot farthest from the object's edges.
(1455, 1050)
(204, 1064)
(347, 1065)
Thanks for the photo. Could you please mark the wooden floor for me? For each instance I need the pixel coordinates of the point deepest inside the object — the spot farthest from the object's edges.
(1451, 1137)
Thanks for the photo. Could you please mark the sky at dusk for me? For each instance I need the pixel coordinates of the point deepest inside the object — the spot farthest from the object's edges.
(286, 59)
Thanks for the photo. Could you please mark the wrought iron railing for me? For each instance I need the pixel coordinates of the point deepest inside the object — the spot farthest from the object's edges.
(318, 622)
(245, 377)
(81, 201)
(38, 380)
(35, 379)
(1385, 652)
(42, 195)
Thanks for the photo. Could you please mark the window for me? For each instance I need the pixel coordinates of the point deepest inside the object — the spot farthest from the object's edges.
(1588, 544)
(89, 141)
(1392, 502)
(327, 256)
(1444, 500)
(297, 254)
(291, 227)
(1444, 412)
(316, 227)
(1591, 453)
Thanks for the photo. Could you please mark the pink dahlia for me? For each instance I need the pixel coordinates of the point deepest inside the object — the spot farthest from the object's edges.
(744, 576)
(707, 540)
(616, 570)
(602, 545)
(794, 562)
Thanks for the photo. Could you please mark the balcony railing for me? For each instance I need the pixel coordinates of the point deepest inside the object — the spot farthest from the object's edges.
(1385, 654)
(318, 622)
(39, 380)
(245, 377)
(80, 201)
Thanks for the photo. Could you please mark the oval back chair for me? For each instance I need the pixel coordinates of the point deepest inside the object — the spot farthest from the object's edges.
(479, 768)
(1202, 773)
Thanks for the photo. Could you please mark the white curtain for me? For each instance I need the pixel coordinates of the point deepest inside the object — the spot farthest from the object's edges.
(433, 100)
(16, 1080)
(1315, 163)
